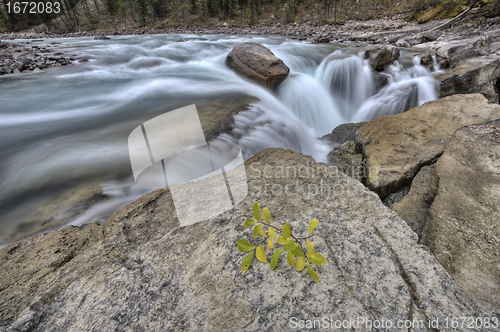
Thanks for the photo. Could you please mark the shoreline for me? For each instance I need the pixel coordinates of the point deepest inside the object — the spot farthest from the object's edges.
(373, 31)
(25, 55)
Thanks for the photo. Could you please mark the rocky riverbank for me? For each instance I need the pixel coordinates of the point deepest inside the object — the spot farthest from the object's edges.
(23, 56)
(141, 268)
(372, 31)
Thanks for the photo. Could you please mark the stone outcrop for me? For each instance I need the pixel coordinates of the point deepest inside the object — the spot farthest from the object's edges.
(141, 270)
(342, 133)
(257, 63)
(414, 206)
(348, 159)
(382, 56)
(474, 75)
(463, 228)
(396, 147)
(449, 52)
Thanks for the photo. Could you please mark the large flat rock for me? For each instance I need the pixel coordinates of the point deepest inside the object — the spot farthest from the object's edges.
(463, 228)
(395, 147)
(142, 271)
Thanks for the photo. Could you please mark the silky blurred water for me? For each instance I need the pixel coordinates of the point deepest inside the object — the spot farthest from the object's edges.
(67, 126)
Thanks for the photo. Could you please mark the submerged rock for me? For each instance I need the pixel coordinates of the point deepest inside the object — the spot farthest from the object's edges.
(257, 63)
(141, 270)
(395, 147)
(463, 228)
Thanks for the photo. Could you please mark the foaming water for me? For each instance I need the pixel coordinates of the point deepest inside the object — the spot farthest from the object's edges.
(67, 126)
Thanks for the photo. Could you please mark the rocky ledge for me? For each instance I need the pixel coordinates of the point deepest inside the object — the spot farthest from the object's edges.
(141, 269)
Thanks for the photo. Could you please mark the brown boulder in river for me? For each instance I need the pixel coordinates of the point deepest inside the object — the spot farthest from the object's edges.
(257, 63)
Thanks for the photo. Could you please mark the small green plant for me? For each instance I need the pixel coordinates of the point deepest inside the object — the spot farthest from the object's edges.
(291, 244)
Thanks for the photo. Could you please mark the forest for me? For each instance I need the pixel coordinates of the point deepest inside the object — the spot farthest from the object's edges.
(86, 15)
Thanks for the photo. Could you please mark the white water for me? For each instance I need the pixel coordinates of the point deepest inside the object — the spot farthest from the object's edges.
(70, 125)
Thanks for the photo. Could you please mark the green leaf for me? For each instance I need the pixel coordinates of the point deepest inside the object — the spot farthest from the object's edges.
(286, 231)
(281, 240)
(244, 245)
(266, 215)
(248, 223)
(270, 244)
(260, 253)
(275, 258)
(291, 244)
(256, 211)
(310, 247)
(312, 273)
(272, 233)
(256, 231)
(316, 259)
(312, 225)
(301, 263)
(297, 251)
(246, 262)
(290, 258)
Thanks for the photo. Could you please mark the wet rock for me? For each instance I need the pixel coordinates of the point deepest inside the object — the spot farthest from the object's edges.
(322, 40)
(474, 75)
(257, 63)
(414, 206)
(101, 37)
(342, 133)
(463, 228)
(382, 56)
(347, 157)
(426, 60)
(397, 146)
(141, 263)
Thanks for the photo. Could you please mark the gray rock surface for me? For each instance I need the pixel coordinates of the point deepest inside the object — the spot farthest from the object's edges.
(141, 271)
(382, 56)
(348, 158)
(257, 63)
(474, 75)
(463, 228)
(395, 147)
(24, 56)
(342, 133)
(414, 207)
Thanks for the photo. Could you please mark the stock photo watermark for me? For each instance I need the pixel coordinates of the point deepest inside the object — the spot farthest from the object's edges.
(307, 180)
(485, 323)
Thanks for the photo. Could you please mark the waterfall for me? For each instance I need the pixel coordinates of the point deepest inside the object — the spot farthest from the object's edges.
(311, 102)
(406, 89)
(68, 127)
(348, 78)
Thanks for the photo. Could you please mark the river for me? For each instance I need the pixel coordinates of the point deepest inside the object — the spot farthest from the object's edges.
(66, 127)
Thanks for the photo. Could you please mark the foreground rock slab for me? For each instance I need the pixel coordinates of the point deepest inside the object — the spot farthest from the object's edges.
(257, 63)
(396, 147)
(463, 228)
(141, 271)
